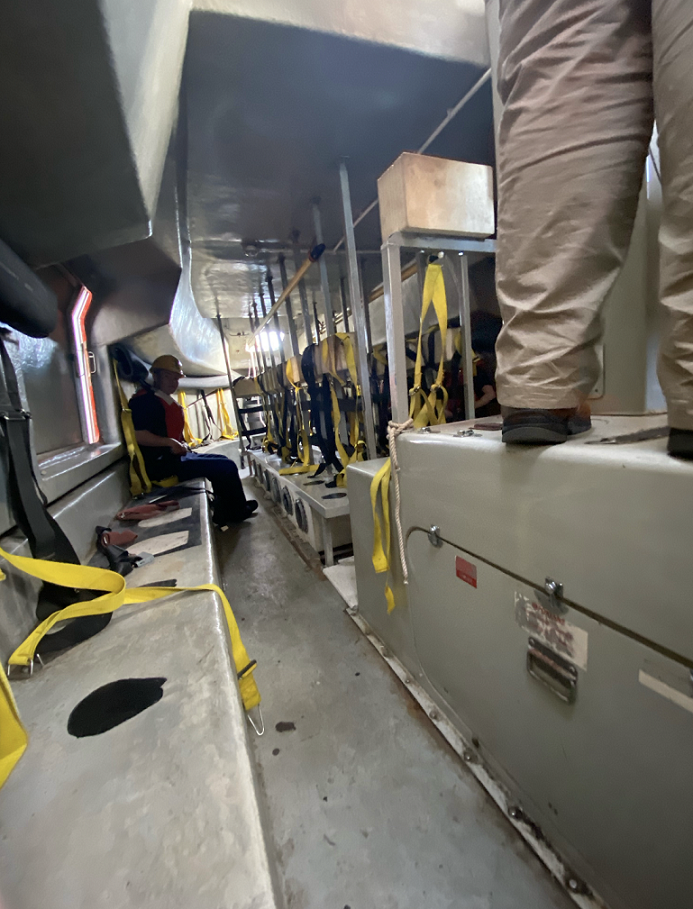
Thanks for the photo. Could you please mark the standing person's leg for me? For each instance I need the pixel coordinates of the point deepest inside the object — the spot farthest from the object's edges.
(672, 27)
(229, 499)
(576, 81)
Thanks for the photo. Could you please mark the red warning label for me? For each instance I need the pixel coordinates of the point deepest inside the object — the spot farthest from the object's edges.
(465, 570)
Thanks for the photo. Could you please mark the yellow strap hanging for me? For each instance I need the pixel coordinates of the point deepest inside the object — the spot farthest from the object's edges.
(139, 481)
(190, 439)
(13, 737)
(429, 409)
(115, 594)
(303, 442)
(227, 431)
(380, 487)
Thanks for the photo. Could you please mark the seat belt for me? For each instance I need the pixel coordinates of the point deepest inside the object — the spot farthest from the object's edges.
(45, 536)
(114, 594)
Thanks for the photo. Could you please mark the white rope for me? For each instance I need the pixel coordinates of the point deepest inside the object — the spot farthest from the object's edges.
(394, 430)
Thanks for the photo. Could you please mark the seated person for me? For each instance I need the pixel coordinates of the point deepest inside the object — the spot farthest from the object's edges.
(159, 422)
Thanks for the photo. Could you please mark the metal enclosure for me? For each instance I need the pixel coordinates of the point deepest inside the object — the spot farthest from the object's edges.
(579, 701)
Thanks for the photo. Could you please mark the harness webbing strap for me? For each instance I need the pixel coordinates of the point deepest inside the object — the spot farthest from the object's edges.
(45, 536)
(190, 438)
(225, 427)
(139, 481)
(13, 737)
(380, 488)
(115, 593)
(428, 409)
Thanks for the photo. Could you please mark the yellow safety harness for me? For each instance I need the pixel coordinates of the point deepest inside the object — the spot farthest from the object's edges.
(116, 593)
(380, 488)
(189, 436)
(139, 479)
(295, 378)
(429, 409)
(329, 353)
(227, 430)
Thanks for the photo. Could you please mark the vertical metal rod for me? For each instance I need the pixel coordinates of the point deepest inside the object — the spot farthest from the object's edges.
(342, 291)
(322, 264)
(239, 425)
(466, 338)
(394, 329)
(263, 310)
(262, 357)
(277, 329)
(317, 321)
(359, 314)
(289, 310)
(366, 303)
(302, 291)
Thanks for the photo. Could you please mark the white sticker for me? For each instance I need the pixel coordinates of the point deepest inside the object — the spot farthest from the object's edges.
(565, 639)
(167, 518)
(159, 545)
(666, 691)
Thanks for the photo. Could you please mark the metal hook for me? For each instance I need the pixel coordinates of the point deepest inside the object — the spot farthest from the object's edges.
(261, 730)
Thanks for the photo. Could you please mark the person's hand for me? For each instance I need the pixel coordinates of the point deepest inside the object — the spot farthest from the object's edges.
(177, 447)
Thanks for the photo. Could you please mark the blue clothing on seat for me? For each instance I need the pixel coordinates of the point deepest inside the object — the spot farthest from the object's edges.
(229, 498)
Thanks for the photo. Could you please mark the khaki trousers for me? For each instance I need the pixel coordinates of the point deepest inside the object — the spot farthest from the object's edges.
(581, 81)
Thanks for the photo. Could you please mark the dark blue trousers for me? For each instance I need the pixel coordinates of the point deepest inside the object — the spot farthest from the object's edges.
(229, 498)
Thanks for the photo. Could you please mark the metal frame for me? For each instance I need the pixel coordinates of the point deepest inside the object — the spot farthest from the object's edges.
(467, 249)
(359, 313)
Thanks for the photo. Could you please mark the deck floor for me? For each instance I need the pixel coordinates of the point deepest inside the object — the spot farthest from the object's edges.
(368, 806)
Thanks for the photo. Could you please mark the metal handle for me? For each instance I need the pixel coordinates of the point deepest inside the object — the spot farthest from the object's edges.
(553, 671)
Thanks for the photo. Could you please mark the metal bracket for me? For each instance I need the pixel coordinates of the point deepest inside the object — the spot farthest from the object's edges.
(17, 673)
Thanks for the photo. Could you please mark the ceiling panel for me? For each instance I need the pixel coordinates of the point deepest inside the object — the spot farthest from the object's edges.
(271, 111)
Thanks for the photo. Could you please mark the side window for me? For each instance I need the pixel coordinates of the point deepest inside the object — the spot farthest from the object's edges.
(56, 388)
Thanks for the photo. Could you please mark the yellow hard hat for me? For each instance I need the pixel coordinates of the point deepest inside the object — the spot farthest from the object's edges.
(168, 362)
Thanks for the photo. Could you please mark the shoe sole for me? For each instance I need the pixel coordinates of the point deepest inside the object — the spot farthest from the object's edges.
(533, 435)
(683, 451)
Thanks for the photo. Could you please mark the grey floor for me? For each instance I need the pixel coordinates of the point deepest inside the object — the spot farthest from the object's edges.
(368, 807)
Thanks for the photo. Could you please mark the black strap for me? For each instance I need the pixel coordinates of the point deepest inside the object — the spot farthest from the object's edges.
(46, 538)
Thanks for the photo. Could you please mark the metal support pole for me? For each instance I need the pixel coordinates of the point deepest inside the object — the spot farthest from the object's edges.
(342, 291)
(317, 320)
(289, 310)
(302, 291)
(324, 282)
(359, 315)
(366, 303)
(263, 310)
(394, 327)
(466, 338)
(262, 358)
(239, 425)
(277, 329)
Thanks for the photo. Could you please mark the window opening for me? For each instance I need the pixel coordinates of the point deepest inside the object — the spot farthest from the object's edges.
(83, 363)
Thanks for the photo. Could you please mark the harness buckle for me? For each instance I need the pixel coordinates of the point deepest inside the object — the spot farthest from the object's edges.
(17, 673)
(15, 416)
